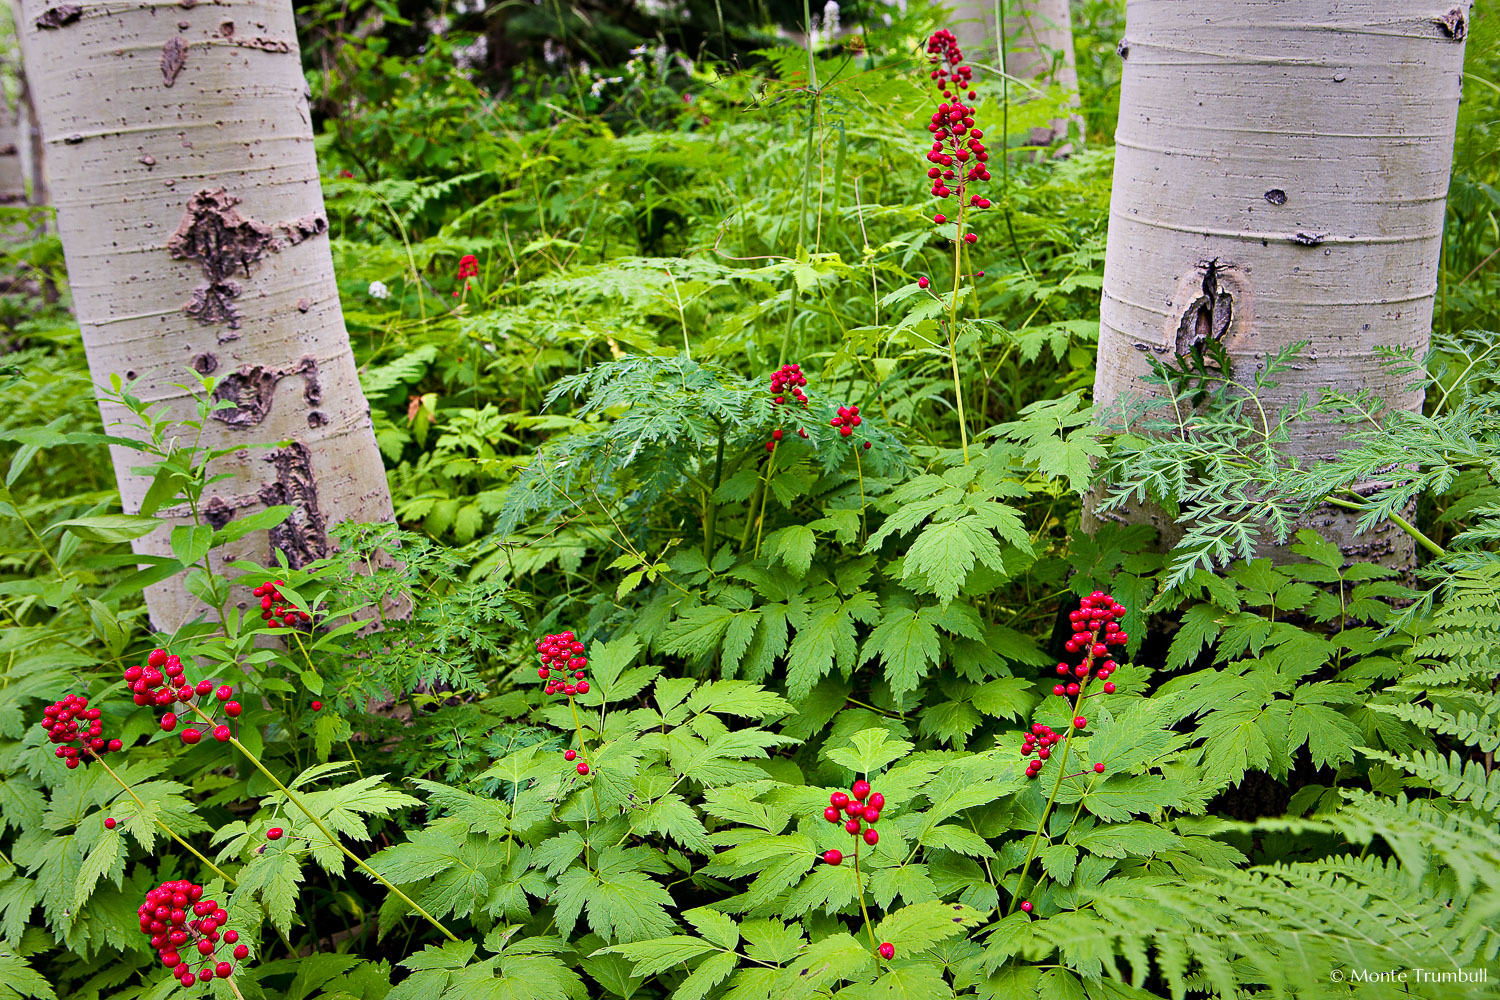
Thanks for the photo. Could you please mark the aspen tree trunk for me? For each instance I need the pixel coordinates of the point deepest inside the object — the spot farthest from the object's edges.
(1038, 50)
(12, 169)
(1281, 173)
(182, 169)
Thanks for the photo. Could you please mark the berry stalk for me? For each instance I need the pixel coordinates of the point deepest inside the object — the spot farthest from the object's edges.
(165, 828)
(296, 800)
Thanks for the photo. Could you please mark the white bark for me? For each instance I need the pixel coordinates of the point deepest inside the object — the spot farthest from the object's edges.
(1303, 149)
(181, 161)
(1038, 49)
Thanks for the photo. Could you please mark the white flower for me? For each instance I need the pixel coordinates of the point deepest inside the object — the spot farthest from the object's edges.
(379, 291)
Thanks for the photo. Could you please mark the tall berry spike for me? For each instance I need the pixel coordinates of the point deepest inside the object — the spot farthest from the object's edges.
(1095, 629)
(958, 157)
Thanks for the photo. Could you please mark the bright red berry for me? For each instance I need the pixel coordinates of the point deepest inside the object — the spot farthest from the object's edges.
(240, 951)
(110, 822)
(860, 789)
(852, 826)
(191, 736)
(570, 755)
(275, 833)
(872, 838)
(1026, 907)
(833, 857)
(1109, 688)
(317, 706)
(832, 814)
(583, 768)
(1080, 723)
(887, 950)
(875, 801)
(222, 734)
(838, 800)
(923, 282)
(1099, 768)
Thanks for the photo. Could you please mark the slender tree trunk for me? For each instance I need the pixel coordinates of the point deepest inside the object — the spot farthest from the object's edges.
(1280, 175)
(29, 132)
(12, 169)
(1038, 51)
(181, 160)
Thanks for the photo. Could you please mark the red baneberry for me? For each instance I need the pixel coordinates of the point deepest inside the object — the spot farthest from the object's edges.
(77, 731)
(562, 656)
(958, 158)
(176, 918)
(276, 610)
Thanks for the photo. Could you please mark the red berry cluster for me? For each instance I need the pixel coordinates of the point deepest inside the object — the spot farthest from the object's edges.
(1042, 739)
(562, 653)
(275, 609)
(166, 920)
(1096, 627)
(846, 420)
(859, 804)
(162, 681)
(787, 380)
(956, 142)
(75, 728)
(468, 267)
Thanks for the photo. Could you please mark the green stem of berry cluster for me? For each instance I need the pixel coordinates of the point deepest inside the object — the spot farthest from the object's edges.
(583, 751)
(333, 839)
(99, 759)
(760, 518)
(859, 885)
(958, 388)
(1062, 767)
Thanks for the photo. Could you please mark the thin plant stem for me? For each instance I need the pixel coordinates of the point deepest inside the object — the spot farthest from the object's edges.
(958, 388)
(859, 884)
(333, 839)
(1062, 767)
(582, 749)
(760, 519)
(99, 759)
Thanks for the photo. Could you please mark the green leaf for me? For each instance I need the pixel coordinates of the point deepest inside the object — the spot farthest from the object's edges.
(869, 750)
(919, 927)
(190, 542)
(108, 528)
(260, 520)
(795, 549)
(907, 644)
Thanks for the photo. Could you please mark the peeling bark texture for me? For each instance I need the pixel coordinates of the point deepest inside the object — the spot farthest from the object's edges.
(173, 59)
(57, 17)
(303, 536)
(1298, 156)
(1039, 50)
(224, 243)
(186, 209)
(252, 389)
